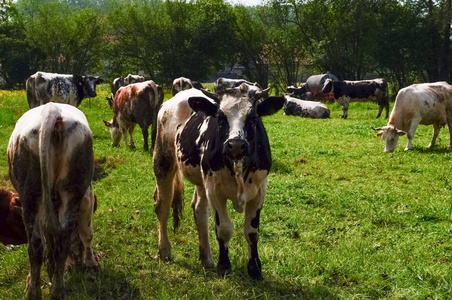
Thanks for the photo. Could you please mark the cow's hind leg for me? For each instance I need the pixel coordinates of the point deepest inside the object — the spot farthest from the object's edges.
(380, 109)
(131, 143)
(85, 230)
(223, 231)
(35, 254)
(200, 207)
(252, 215)
(145, 131)
(436, 129)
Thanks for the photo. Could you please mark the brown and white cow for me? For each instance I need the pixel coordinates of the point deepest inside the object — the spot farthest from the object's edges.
(426, 104)
(50, 156)
(136, 103)
(220, 145)
(121, 81)
(61, 88)
(344, 92)
(12, 229)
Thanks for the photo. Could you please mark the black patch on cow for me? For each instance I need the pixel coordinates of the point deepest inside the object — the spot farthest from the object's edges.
(255, 220)
(189, 150)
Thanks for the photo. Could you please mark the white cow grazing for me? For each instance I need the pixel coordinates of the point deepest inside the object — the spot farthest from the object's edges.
(426, 104)
(50, 155)
(304, 108)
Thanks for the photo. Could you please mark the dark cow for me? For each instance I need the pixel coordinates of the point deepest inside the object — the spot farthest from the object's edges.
(219, 144)
(222, 84)
(50, 156)
(12, 229)
(136, 103)
(50, 87)
(307, 109)
(181, 84)
(344, 92)
(312, 88)
(426, 104)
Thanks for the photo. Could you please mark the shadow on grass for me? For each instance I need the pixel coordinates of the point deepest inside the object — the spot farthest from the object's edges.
(270, 287)
(107, 283)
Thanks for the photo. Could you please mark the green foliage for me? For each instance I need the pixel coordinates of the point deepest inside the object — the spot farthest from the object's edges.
(341, 220)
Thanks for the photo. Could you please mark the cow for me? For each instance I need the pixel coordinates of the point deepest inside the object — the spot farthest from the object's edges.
(426, 104)
(312, 88)
(344, 92)
(50, 158)
(12, 229)
(222, 84)
(181, 84)
(61, 88)
(307, 109)
(219, 143)
(136, 103)
(121, 81)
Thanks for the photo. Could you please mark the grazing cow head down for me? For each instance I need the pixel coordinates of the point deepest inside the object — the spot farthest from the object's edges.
(116, 134)
(390, 135)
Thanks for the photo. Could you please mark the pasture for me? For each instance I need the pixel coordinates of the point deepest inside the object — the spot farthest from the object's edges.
(341, 220)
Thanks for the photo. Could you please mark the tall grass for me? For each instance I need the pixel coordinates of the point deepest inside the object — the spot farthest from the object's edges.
(341, 220)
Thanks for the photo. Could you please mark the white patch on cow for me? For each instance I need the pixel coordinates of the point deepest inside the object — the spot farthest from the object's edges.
(202, 129)
(236, 110)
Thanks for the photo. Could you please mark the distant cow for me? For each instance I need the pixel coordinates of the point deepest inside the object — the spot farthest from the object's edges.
(136, 103)
(50, 87)
(312, 88)
(50, 156)
(222, 84)
(219, 143)
(121, 81)
(344, 92)
(12, 229)
(181, 84)
(426, 104)
(307, 109)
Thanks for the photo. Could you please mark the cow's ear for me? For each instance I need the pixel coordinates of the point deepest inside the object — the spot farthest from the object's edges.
(80, 80)
(98, 80)
(270, 106)
(108, 124)
(400, 132)
(203, 104)
(380, 133)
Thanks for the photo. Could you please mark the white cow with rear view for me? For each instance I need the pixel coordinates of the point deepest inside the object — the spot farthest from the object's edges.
(426, 104)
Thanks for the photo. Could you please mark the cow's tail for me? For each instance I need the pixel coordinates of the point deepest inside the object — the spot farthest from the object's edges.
(50, 138)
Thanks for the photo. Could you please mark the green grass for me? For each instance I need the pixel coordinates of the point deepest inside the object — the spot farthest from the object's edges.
(341, 220)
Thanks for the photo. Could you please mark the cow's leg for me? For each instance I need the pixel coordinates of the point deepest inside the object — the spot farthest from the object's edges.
(200, 207)
(131, 143)
(223, 230)
(344, 102)
(35, 254)
(380, 109)
(85, 230)
(411, 131)
(436, 129)
(144, 130)
(252, 214)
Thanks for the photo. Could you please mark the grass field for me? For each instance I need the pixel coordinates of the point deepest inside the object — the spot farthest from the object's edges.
(341, 220)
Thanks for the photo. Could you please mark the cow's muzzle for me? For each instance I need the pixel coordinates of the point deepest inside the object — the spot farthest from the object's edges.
(236, 148)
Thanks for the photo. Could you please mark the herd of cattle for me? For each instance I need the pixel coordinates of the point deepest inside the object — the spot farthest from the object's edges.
(216, 140)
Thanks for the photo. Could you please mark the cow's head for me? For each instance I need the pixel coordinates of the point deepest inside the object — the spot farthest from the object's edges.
(390, 135)
(238, 111)
(89, 85)
(328, 86)
(114, 131)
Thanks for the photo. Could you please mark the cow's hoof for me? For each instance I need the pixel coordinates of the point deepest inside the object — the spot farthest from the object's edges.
(255, 269)
(223, 269)
(165, 255)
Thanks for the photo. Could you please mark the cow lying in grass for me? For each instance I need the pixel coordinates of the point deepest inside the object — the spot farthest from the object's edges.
(219, 143)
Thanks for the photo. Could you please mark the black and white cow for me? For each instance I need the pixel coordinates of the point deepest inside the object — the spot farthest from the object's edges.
(304, 108)
(181, 84)
(222, 84)
(61, 88)
(50, 156)
(219, 144)
(344, 92)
